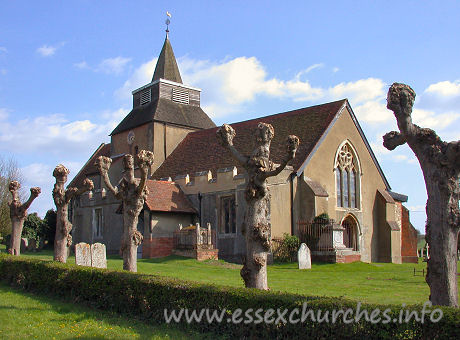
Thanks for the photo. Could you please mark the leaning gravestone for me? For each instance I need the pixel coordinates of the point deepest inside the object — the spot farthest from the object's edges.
(83, 254)
(98, 257)
(304, 257)
(32, 245)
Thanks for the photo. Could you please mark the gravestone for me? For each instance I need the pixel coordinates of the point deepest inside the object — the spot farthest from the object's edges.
(304, 257)
(24, 244)
(98, 257)
(32, 245)
(83, 254)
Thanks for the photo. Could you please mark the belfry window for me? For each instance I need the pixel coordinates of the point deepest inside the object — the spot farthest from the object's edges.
(346, 178)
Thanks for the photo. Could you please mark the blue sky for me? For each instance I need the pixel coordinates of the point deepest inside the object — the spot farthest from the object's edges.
(67, 69)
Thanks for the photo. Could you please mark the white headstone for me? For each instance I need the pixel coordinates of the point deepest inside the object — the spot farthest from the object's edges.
(98, 256)
(83, 254)
(304, 257)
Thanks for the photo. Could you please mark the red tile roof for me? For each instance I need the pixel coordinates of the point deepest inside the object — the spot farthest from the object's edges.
(199, 151)
(167, 196)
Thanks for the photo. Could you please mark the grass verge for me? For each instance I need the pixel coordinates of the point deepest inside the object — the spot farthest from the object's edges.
(25, 315)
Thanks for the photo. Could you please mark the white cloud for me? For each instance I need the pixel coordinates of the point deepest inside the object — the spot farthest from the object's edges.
(38, 174)
(445, 88)
(359, 91)
(56, 134)
(400, 158)
(373, 112)
(141, 76)
(426, 118)
(46, 50)
(81, 65)
(41, 175)
(417, 208)
(335, 69)
(379, 149)
(4, 113)
(113, 65)
(3, 49)
(309, 69)
(233, 82)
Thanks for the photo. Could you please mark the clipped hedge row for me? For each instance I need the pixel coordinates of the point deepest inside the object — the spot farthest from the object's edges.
(147, 296)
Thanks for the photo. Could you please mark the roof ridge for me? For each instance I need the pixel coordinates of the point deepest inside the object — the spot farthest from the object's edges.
(270, 116)
(291, 111)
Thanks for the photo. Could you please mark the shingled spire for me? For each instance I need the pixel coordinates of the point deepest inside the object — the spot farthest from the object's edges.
(166, 65)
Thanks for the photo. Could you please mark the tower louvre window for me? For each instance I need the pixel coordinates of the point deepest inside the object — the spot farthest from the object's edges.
(180, 96)
(146, 96)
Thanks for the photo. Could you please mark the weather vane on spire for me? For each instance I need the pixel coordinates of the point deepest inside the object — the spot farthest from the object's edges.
(168, 21)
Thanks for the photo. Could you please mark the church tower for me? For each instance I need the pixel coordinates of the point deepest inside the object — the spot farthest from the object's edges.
(164, 112)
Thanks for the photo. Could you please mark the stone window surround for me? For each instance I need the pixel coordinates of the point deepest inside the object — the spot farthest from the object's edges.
(349, 164)
(220, 216)
(97, 235)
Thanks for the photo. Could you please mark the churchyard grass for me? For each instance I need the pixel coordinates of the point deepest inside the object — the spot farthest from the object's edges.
(384, 283)
(25, 315)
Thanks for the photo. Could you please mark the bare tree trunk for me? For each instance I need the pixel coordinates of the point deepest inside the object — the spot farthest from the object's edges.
(131, 240)
(132, 192)
(442, 236)
(256, 227)
(440, 163)
(62, 197)
(257, 235)
(18, 213)
(62, 238)
(16, 232)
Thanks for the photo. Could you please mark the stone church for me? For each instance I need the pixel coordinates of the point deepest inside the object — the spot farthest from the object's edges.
(194, 180)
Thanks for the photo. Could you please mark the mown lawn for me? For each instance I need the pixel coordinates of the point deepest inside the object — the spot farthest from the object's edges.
(366, 282)
(27, 316)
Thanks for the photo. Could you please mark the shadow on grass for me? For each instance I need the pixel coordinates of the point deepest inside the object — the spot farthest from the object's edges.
(76, 313)
(167, 259)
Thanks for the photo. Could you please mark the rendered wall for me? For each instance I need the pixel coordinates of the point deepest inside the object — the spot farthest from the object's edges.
(143, 139)
(321, 169)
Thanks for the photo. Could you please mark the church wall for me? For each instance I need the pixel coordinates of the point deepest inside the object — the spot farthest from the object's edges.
(280, 207)
(303, 202)
(167, 137)
(164, 224)
(383, 251)
(112, 223)
(99, 198)
(143, 138)
(229, 183)
(321, 169)
(159, 232)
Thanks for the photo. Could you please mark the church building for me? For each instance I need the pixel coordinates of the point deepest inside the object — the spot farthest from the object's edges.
(335, 179)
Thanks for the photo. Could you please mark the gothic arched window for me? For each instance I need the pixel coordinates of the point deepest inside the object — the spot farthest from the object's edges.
(347, 178)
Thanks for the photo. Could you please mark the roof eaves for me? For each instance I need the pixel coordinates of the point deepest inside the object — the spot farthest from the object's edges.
(398, 197)
(87, 163)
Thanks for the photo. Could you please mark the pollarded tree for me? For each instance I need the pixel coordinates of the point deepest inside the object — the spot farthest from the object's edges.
(18, 213)
(440, 163)
(62, 197)
(132, 191)
(9, 172)
(256, 227)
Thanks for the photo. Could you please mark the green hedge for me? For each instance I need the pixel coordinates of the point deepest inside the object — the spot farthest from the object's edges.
(146, 297)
